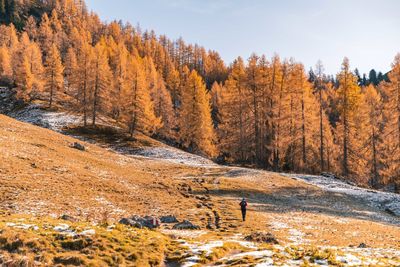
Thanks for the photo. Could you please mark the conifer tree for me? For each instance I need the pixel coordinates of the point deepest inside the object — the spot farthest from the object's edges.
(54, 79)
(102, 81)
(5, 63)
(234, 115)
(71, 72)
(349, 97)
(85, 78)
(161, 99)
(138, 112)
(371, 112)
(196, 128)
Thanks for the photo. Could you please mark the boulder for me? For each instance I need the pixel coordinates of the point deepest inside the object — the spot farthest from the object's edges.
(139, 222)
(186, 225)
(168, 219)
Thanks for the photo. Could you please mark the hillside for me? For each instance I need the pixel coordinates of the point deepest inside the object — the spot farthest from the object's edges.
(42, 178)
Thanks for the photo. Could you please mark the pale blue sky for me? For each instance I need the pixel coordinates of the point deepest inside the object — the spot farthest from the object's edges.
(366, 31)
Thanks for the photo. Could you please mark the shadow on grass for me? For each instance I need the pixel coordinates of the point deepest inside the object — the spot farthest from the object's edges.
(292, 199)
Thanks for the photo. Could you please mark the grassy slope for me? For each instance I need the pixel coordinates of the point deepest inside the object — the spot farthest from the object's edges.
(41, 175)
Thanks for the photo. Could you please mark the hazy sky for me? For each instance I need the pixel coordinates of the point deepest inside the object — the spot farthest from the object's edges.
(366, 31)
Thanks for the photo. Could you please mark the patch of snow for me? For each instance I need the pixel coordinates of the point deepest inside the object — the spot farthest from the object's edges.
(170, 154)
(88, 232)
(61, 227)
(34, 114)
(184, 233)
(349, 260)
(23, 226)
(255, 254)
(384, 201)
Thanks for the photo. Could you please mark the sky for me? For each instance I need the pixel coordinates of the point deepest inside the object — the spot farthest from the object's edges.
(365, 31)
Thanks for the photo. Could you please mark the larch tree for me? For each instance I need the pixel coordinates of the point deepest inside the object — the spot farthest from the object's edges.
(391, 165)
(85, 79)
(54, 78)
(319, 86)
(24, 79)
(138, 108)
(371, 111)
(234, 115)
(349, 97)
(5, 63)
(71, 72)
(196, 127)
(101, 81)
(161, 98)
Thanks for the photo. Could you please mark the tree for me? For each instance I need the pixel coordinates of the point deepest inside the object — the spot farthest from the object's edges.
(84, 76)
(138, 108)
(24, 79)
(102, 81)
(196, 128)
(54, 79)
(161, 98)
(391, 140)
(349, 97)
(371, 111)
(319, 85)
(5, 63)
(234, 139)
(71, 72)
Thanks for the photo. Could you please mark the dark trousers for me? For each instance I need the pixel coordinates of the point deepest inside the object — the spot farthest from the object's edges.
(244, 214)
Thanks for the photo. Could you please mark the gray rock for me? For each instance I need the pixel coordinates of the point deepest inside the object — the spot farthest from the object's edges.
(66, 217)
(362, 245)
(139, 222)
(168, 219)
(78, 146)
(186, 225)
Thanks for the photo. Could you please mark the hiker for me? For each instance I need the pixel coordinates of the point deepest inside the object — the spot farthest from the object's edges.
(243, 206)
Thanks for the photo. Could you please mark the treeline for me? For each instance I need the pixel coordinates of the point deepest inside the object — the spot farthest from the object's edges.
(267, 112)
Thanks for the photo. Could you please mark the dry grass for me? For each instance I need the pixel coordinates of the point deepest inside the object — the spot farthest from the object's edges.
(108, 247)
(41, 175)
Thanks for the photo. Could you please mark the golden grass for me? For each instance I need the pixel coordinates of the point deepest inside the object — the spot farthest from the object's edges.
(108, 247)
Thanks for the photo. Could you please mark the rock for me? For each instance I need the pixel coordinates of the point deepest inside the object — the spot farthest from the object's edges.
(66, 217)
(362, 245)
(262, 238)
(186, 225)
(139, 222)
(168, 219)
(78, 146)
(130, 222)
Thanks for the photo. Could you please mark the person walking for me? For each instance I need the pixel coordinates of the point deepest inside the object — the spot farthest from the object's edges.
(243, 207)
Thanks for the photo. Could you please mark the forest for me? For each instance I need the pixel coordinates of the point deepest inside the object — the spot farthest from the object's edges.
(263, 111)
